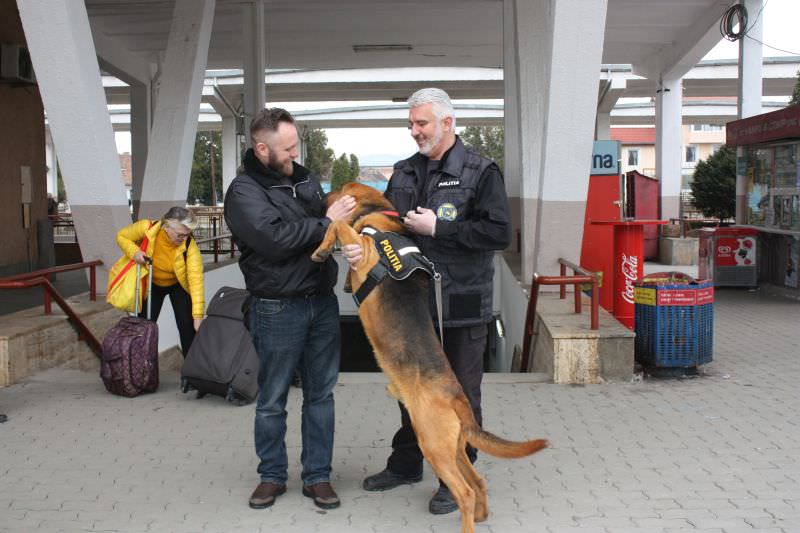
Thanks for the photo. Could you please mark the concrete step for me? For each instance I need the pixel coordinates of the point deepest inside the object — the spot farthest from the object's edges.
(31, 341)
(570, 352)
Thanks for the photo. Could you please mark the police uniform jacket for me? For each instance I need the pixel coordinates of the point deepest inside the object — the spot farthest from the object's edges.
(277, 223)
(467, 193)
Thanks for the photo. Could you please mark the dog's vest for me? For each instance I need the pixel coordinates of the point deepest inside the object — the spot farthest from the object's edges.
(398, 257)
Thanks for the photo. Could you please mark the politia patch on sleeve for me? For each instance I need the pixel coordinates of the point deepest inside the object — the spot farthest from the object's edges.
(446, 211)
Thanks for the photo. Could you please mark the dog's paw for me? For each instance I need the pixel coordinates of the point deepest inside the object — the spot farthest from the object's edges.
(319, 256)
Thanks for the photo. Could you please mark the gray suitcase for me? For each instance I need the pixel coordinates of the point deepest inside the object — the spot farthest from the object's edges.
(222, 359)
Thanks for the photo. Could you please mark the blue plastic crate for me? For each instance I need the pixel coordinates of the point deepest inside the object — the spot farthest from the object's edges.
(674, 324)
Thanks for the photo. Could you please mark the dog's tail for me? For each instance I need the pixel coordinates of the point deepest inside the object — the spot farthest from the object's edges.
(488, 442)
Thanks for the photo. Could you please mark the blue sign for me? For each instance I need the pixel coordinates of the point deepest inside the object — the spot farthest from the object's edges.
(605, 157)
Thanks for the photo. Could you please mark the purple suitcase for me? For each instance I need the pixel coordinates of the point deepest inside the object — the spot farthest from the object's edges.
(129, 365)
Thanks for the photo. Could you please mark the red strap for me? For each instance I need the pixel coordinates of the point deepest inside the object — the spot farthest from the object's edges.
(142, 247)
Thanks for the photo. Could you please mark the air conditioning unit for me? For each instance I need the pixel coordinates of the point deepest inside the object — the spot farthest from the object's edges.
(15, 64)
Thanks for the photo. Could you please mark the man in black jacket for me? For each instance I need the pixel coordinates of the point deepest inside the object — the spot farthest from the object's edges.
(455, 203)
(276, 212)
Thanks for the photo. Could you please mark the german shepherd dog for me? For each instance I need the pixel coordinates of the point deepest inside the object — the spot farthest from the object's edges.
(397, 321)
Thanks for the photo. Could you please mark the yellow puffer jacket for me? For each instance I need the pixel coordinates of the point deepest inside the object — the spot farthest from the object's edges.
(189, 272)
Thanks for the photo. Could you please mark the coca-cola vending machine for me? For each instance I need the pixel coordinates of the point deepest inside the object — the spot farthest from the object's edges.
(728, 256)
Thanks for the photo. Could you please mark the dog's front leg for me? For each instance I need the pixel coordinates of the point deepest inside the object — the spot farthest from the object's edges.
(325, 248)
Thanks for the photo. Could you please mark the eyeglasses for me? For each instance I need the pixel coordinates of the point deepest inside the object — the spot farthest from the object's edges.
(179, 235)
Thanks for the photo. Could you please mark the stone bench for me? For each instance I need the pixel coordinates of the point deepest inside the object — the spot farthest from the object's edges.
(569, 351)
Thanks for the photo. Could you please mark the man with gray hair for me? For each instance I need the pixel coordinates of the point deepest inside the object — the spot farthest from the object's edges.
(456, 207)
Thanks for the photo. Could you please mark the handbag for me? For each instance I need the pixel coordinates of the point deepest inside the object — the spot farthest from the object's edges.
(122, 279)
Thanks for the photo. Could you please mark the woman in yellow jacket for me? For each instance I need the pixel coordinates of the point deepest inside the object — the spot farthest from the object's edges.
(177, 267)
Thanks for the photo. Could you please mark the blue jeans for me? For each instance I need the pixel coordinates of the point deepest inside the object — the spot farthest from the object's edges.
(302, 334)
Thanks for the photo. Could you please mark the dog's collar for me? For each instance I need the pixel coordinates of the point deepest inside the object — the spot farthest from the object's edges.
(390, 213)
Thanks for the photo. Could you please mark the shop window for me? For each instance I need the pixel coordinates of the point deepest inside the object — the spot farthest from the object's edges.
(706, 127)
(633, 157)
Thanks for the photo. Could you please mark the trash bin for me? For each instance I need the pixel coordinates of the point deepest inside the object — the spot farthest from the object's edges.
(674, 322)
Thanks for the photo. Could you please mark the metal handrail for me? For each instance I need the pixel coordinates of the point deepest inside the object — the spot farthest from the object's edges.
(215, 239)
(563, 280)
(84, 334)
(48, 272)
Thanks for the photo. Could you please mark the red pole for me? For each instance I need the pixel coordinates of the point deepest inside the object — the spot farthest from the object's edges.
(48, 305)
(562, 290)
(92, 284)
(595, 304)
(577, 298)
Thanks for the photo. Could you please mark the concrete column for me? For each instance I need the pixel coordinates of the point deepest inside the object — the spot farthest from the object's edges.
(230, 151)
(511, 132)
(560, 45)
(140, 136)
(669, 142)
(750, 61)
(63, 54)
(51, 160)
(611, 91)
(750, 87)
(255, 62)
(602, 127)
(169, 159)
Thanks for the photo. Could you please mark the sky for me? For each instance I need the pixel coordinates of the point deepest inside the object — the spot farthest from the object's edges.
(385, 145)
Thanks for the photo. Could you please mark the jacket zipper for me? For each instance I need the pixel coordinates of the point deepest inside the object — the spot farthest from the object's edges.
(293, 187)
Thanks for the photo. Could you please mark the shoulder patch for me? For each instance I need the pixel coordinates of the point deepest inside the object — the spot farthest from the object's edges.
(446, 211)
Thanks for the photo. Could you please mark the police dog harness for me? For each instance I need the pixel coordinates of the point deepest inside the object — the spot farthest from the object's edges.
(398, 257)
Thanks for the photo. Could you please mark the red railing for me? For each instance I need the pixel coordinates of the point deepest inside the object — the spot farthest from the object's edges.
(47, 273)
(40, 278)
(563, 280)
(216, 240)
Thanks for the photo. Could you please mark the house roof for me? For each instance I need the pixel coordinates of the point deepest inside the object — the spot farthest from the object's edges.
(634, 135)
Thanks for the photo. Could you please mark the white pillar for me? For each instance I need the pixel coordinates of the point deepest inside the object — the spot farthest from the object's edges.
(140, 136)
(51, 160)
(230, 151)
(560, 45)
(171, 150)
(750, 61)
(255, 61)
(669, 145)
(750, 80)
(60, 43)
(602, 128)
(512, 167)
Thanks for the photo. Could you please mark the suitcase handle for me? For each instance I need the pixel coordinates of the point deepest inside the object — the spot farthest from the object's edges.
(149, 261)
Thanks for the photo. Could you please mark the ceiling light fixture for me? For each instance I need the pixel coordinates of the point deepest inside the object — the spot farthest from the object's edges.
(358, 48)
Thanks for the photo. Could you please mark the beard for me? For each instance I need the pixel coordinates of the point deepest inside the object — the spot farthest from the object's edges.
(274, 164)
(429, 144)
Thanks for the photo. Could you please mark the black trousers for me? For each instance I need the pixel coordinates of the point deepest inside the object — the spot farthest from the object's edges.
(181, 306)
(464, 348)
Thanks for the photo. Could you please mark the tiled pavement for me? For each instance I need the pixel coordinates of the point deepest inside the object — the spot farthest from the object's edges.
(715, 453)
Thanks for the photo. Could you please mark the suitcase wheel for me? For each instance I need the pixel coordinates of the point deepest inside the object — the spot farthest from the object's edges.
(185, 387)
(200, 394)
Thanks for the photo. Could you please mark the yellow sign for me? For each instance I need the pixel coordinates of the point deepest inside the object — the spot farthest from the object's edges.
(642, 295)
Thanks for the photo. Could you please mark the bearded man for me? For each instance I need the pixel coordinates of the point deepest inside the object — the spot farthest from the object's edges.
(456, 207)
(276, 212)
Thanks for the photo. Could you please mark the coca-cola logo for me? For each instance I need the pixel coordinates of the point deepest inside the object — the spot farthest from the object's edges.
(630, 270)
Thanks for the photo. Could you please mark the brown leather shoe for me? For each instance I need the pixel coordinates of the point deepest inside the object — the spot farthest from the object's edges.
(323, 495)
(265, 494)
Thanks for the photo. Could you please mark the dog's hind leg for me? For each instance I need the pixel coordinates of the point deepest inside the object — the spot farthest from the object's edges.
(439, 435)
(475, 481)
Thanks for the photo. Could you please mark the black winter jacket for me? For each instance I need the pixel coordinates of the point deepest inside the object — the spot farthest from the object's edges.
(467, 194)
(277, 226)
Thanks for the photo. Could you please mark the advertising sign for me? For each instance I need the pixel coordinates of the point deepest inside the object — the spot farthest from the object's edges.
(735, 251)
(605, 157)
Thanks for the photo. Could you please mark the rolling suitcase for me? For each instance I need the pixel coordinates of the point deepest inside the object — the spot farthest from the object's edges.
(129, 365)
(222, 360)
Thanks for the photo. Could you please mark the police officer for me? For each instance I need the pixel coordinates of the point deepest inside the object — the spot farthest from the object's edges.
(456, 207)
